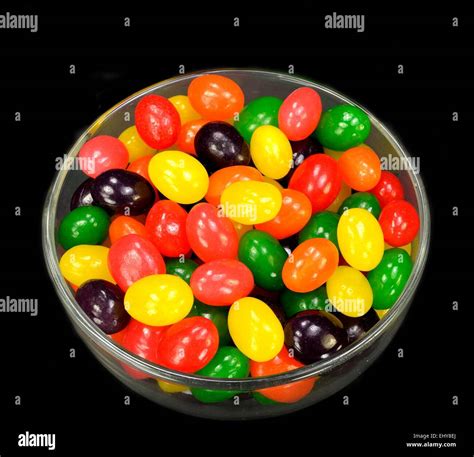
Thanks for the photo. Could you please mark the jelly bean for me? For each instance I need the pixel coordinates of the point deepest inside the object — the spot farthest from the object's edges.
(166, 224)
(343, 127)
(363, 200)
(83, 225)
(102, 301)
(357, 327)
(102, 153)
(349, 292)
(336, 155)
(221, 282)
(123, 192)
(400, 223)
(187, 135)
(255, 329)
(319, 179)
(171, 388)
(188, 345)
(126, 225)
(321, 225)
(118, 336)
(82, 195)
(273, 182)
(389, 278)
(157, 121)
(182, 268)
(388, 188)
(228, 363)
(261, 111)
(381, 312)
(136, 147)
(241, 229)
(142, 340)
(159, 299)
(251, 202)
(406, 247)
(271, 151)
(289, 244)
(218, 145)
(299, 113)
(294, 302)
(133, 257)
(211, 235)
(314, 336)
(302, 150)
(218, 315)
(223, 178)
(311, 264)
(341, 196)
(360, 168)
(84, 262)
(265, 257)
(262, 399)
(215, 97)
(360, 239)
(179, 176)
(185, 110)
(282, 363)
(294, 213)
(140, 166)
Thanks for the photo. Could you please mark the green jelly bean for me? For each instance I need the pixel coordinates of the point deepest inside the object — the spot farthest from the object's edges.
(264, 400)
(264, 256)
(364, 200)
(216, 314)
(228, 363)
(295, 302)
(261, 111)
(321, 225)
(343, 127)
(182, 268)
(84, 225)
(389, 278)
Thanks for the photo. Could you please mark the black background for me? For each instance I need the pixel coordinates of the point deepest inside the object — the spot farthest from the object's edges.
(76, 398)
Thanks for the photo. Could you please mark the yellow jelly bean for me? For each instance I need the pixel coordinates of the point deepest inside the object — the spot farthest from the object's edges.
(136, 147)
(341, 196)
(251, 202)
(185, 110)
(84, 262)
(360, 239)
(381, 312)
(255, 329)
(170, 387)
(349, 292)
(159, 300)
(179, 176)
(271, 151)
(406, 248)
(334, 154)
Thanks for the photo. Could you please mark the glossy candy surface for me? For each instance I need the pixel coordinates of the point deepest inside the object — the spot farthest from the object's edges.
(140, 167)
(182, 268)
(82, 195)
(295, 302)
(179, 176)
(344, 193)
(102, 301)
(218, 145)
(185, 110)
(360, 168)
(157, 121)
(126, 225)
(321, 225)
(400, 223)
(159, 299)
(136, 147)
(255, 329)
(187, 135)
(362, 200)
(188, 345)
(123, 192)
(310, 265)
(357, 327)
(388, 188)
(218, 315)
(301, 151)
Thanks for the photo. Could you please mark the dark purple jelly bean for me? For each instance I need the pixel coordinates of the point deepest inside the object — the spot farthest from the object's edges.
(301, 150)
(102, 301)
(314, 335)
(219, 144)
(357, 327)
(123, 192)
(82, 195)
(289, 244)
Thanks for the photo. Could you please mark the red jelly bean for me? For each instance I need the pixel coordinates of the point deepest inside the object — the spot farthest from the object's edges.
(400, 223)
(211, 235)
(221, 282)
(188, 345)
(299, 113)
(102, 153)
(187, 133)
(319, 179)
(166, 224)
(132, 258)
(157, 121)
(388, 188)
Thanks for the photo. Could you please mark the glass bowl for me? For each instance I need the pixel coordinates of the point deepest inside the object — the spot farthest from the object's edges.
(335, 372)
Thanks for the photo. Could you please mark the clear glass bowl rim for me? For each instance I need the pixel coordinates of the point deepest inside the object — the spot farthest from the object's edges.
(108, 345)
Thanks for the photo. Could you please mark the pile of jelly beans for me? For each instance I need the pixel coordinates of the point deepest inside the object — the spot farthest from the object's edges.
(234, 240)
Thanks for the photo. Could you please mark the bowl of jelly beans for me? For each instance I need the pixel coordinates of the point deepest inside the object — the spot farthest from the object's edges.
(231, 244)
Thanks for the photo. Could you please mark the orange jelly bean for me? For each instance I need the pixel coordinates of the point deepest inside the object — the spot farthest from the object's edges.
(360, 168)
